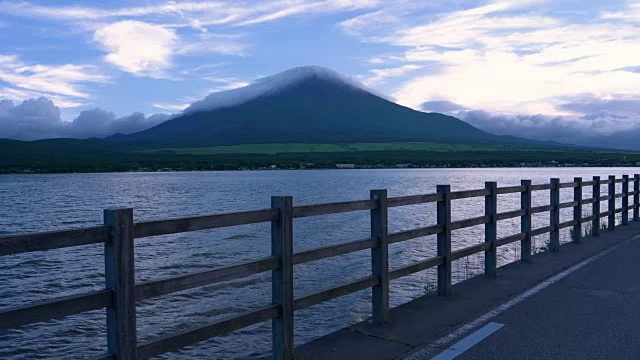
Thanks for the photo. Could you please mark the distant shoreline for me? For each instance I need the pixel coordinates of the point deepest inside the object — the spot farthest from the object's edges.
(165, 170)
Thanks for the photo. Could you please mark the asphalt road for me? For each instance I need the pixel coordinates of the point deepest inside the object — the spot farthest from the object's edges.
(593, 313)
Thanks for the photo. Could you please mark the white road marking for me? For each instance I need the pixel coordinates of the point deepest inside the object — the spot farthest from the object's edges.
(467, 343)
(425, 352)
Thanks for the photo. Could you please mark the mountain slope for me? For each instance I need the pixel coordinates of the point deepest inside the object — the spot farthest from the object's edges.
(307, 105)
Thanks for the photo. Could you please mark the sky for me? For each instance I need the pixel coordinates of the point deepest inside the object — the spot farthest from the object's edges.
(563, 70)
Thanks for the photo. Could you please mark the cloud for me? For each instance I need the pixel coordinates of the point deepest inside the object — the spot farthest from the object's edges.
(100, 123)
(145, 40)
(633, 69)
(602, 129)
(511, 57)
(64, 82)
(360, 25)
(40, 119)
(224, 44)
(196, 15)
(137, 47)
(34, 118)
(225, 83)
(170, 107)
(632, 13)
(441, 106)
(603, 114)
(146, 49)
(628, 105)
(599, 127)
(381, 75)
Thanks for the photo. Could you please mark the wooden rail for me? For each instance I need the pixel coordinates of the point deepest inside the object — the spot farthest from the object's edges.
(121, 293)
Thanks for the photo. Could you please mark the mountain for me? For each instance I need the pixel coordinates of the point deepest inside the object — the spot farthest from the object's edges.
(308, 104)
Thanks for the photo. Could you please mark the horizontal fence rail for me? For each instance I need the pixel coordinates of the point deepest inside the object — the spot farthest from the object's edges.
(121, 293)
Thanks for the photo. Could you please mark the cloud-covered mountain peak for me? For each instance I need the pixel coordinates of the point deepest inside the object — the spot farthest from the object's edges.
(273, 84)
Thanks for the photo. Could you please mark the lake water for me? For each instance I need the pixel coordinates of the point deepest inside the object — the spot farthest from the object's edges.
(31, 203)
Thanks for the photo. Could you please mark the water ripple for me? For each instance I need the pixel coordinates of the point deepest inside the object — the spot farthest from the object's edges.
(55, 202)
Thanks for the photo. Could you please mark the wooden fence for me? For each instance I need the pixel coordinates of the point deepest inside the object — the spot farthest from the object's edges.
(121, 293)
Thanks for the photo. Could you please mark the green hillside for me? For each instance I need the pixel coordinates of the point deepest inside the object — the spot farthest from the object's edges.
(314, 111)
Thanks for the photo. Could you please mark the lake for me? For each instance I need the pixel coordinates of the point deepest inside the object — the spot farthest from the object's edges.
(30, 203)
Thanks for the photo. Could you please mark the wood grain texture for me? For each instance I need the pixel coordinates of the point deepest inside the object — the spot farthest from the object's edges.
(465, 194)
(595, 210)
(380, 258)
(636, 197)
(194, 335)
(470, 250)
(611, 218)
(509, 239)
(172, 284)
(461, 224)
(542, 208)
(16, 244)
(180, 225)
(444, 240)
(491, 229)
(567, 224)
(510, 189)
(568, 204)
(577, 211)
(56, 308)
(525, 222)
(625, 200)
(416, 267)
(554, 215)
(510, 214)
(333, 208)
(335, 292)
(414, 233)
(412, 200)
(541, 187)
(282, 277)
(120, 279)
(540, 231)
(334, 250)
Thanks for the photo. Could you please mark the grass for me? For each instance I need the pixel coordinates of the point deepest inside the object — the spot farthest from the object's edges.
(70, 155)
(272, 149)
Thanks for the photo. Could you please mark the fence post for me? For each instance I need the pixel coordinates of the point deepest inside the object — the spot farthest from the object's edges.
(612, 203)
(525, 221)
(577, 210)
(554, 220)
(636, 197)
(380, 258)
(444, 240)
(119, 263)
(490, 228)
(625, 200)
(282, 277)
(595, 224)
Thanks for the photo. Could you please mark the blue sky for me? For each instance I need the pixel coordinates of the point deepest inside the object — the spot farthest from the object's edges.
(527, 67)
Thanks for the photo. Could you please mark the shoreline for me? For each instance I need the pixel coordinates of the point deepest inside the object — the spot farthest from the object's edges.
(168, 170)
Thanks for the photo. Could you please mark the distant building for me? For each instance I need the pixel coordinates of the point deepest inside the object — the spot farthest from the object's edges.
(402, 166)
(274, 166)
(346, 166)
